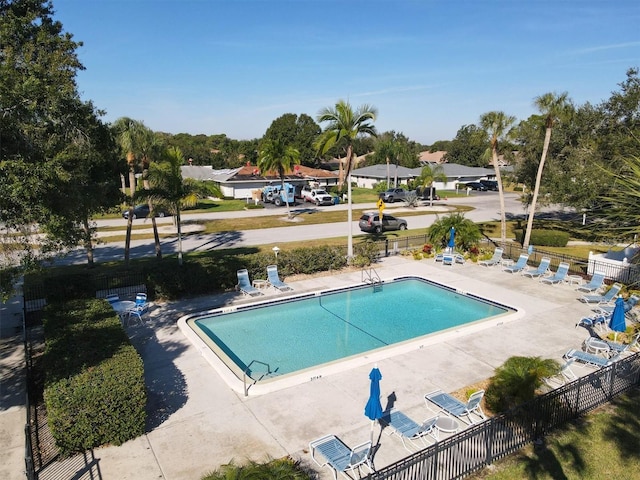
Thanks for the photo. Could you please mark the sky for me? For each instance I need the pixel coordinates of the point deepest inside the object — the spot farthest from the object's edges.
(428, 66)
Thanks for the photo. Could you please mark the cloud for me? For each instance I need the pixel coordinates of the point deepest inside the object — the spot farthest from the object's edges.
(601, 48)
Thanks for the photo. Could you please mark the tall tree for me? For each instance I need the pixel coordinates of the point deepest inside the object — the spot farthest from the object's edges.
(468, 146)
(497, 126)
(344, 125)
(276, 156)
(169, 189)
(130, 135)
(553, 108)
(298, 131)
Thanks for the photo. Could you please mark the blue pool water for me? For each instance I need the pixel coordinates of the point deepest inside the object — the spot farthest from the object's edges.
(304, 332)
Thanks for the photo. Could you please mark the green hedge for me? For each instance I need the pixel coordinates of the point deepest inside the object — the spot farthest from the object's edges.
(545, 238)
(94, 378)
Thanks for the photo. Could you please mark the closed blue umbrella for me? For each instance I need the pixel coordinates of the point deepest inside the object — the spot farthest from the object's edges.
(617, 322)
(452, 239)
(373, 409)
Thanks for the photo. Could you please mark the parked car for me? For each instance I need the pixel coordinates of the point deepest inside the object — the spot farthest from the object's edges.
(393, 195)
(142, 211)
(490, 184)
(476, 186)
(370, 223)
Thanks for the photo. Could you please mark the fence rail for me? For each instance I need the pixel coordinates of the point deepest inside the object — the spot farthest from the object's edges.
(480, 445)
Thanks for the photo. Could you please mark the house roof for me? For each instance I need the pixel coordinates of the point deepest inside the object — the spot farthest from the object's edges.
(251, 173)
(432, 157)
(451, 170)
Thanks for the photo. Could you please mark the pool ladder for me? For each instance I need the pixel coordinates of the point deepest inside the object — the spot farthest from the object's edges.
(369, 275)
(246, 374)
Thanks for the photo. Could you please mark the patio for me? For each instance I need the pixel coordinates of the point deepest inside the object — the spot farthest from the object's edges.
(196, 422)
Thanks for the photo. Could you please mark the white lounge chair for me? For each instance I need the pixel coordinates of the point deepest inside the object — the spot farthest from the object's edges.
(409, 431)
(596, 283)
(590, 359)
(541, 271)
(608, 297)
(560, 275)
(451, 405)
(244, 284)
(564, 375)
(519, 265)
(629, 303)
(339, 457)
(274, 279)
(495, 260)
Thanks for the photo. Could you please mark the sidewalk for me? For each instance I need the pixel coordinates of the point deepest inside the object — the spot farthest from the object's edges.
(13, 413)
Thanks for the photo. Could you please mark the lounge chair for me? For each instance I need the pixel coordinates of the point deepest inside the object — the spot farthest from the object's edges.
(560, 275)
(448, 259)
(590, 359)
(451, 405)
(602, 299)
(564, 375)
(139, 309)
(519, 265)
(244, 284)
(410, 431)
(495, 260)
(596, 283)
(600, 321)
(540, 271)
(112, 298)
(629, 303)
(624, 348)
(339, 457)
(274, 279)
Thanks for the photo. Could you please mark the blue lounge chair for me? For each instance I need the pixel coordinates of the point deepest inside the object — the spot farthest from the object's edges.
(339, 457)
(112, 298)
(541, 271)
(244, 284)
(590, 359)
(622, 347)
(631, 302)
(495, 260)
(520, 264)
(596, 283)
(600, 321)
(448, 259)
(274, 279)
(560, 275)
(603, 299)
(451, 405)
(410, 431)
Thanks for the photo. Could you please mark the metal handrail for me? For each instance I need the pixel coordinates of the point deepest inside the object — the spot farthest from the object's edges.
(370, 276)
(245, 375)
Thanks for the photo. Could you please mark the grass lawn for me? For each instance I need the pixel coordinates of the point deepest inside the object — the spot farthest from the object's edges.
(603, 444)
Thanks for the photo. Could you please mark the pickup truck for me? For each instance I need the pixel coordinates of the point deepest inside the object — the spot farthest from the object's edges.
(393, 195)
(317, 196)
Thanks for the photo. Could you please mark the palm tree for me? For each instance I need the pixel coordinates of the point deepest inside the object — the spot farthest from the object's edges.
(553, 108)
(128, 133)
(150, 148)
(276, 156)
(344, 125)
(168, 188)
(467, 232)
(497, 125)
(428, 175)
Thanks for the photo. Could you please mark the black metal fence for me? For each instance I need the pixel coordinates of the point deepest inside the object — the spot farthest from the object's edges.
(480, 445)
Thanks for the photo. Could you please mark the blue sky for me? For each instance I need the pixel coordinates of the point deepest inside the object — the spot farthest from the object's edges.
(429, 67)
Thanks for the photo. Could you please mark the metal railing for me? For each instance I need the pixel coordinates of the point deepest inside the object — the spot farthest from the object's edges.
(246, 374)
(480, 445)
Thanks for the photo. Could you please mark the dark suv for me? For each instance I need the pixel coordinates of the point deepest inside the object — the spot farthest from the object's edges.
(142, 211)
(476, 186)
(490, 184)
(370, 223)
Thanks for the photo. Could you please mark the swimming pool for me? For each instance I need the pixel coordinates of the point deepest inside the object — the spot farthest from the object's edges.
(306, 335)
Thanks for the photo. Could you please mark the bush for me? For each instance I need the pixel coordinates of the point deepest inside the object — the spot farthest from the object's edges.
(283, 469)
(517, 380)
(544, 238)
(94, 378)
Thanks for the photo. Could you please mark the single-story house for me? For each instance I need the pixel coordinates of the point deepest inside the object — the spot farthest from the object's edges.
(247, 181)
(368, 177)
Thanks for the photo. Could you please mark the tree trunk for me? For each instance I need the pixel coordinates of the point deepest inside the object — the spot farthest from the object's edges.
(503, 217)
(350, 205)
(88, 245)
(132, 189)
(179, 236)
(340, 174)
(534, 199)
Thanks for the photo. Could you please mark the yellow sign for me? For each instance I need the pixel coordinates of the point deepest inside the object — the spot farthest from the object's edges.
(380, 205)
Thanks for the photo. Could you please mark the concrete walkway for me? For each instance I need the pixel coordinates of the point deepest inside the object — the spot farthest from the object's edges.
(196, 422)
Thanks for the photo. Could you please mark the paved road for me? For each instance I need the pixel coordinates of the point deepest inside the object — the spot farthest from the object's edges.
(486, 207)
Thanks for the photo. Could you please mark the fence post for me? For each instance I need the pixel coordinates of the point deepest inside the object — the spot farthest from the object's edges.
(386, 247)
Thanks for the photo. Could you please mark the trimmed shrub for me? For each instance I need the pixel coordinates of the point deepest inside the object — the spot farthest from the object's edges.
(545, 238)
(94, 378)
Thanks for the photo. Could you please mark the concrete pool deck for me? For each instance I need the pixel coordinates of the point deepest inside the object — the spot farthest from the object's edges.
(197, 423)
